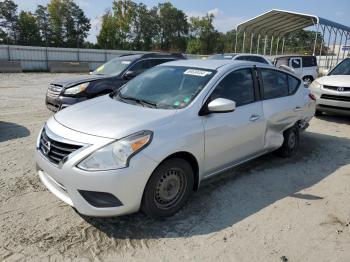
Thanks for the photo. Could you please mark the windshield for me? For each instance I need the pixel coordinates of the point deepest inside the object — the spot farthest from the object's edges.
(165, 86)
(342, 69)
(112, 67)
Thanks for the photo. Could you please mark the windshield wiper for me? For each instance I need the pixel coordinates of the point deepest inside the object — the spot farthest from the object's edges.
(138, 100)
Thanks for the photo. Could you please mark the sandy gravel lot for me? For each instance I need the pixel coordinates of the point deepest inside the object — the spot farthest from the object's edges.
(270, 209)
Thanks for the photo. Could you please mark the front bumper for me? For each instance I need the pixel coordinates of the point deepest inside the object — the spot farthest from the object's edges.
(332, 101)
(60, 102)
(67, 181)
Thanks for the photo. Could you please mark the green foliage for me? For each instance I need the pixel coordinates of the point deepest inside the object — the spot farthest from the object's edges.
(28, 29)
(9, 20)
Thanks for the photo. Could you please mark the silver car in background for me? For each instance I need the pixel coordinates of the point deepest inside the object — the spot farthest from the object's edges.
(332, 91)
(150, 145)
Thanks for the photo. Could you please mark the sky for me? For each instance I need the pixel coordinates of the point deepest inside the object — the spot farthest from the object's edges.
(227, 13)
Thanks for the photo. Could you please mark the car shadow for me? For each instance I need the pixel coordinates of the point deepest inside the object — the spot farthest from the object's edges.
(239, 193)
(339, 119)
(10, 131)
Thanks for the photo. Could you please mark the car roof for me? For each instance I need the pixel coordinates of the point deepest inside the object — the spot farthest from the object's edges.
(210, 64)
(288, 56)
(150, 55)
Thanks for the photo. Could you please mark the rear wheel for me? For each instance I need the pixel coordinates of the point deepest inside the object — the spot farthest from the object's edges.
(168, 188)
(290, 143)
(308, 80)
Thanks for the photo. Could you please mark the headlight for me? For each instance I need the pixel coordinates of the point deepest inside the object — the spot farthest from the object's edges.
(117, 154)
(76, 89)
(315, 84)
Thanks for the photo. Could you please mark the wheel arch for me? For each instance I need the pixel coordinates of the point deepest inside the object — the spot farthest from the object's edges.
(192, 160)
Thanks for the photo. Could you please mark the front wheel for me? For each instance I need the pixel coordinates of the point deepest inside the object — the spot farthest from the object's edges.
(168, 188)
(290, 143)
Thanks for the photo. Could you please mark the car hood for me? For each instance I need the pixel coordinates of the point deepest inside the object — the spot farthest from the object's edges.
(76, 80)
(106, 117)
(335, 80)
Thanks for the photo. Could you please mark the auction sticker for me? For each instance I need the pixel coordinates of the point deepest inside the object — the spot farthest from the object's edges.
(126, 62)
(196, 72)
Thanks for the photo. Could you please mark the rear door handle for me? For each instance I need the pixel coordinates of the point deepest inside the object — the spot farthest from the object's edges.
(297, 109)
(253, 118)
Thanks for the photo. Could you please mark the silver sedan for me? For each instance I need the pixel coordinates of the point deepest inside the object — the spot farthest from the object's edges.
(150, 145)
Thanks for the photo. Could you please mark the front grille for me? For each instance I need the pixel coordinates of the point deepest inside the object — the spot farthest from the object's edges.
(54, 90)
(54, 150)
(337, 98)
(336, 88)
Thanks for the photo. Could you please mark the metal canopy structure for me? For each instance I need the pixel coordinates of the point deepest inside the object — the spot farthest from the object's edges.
(275, 24)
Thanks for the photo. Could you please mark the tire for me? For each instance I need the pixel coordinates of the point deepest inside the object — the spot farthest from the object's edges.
(318, 113)
(308, 80)
(168, 188)
(290, 143)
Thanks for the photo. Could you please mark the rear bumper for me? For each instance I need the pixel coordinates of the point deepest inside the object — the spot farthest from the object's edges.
(60, 102)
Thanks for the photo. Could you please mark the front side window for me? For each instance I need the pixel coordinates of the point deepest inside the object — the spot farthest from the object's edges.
(166, 86)
(275, 83)
(237, 86)
(342, 69)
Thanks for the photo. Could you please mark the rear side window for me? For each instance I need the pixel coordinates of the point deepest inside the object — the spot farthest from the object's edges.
(275, 84)
(293, 84)
(237, 86)
(309, 61)
(141, 66)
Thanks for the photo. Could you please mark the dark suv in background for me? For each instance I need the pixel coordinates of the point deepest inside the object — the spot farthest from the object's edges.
(105, 79)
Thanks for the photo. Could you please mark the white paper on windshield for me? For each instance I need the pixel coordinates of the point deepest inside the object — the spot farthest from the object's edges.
(126, 62)
(228, 56)
(196, 72)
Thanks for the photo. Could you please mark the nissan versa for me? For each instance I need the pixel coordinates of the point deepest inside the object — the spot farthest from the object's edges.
(151, 144)
(105, 79)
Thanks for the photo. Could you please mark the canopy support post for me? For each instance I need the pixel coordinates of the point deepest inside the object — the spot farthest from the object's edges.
(346, 41)
(271, 46)
(328, 47)
(265, 44)
(335, 41)
(341, 40)
(282, 51)
(315, 43)
(278, 40)
(237, 32)
(257, 47)
(321, 47)
(243, 42)
(251, 42)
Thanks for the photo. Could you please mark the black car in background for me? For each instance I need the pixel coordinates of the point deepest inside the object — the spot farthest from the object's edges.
(105, 79)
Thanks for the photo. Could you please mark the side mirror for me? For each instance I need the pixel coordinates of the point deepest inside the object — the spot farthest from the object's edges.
(130, 74)
(221, 105)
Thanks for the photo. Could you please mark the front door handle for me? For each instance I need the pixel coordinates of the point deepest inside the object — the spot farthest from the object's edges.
(253, 118)
(297, 109)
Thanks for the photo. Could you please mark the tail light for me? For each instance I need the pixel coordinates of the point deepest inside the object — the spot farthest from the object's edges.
(312, 97)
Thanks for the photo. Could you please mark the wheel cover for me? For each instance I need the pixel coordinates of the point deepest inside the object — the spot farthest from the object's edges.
(170, 188)
(307, 81)
(292, 140)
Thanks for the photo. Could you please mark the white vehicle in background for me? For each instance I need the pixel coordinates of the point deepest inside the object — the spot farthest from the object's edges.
(304, 66)
(241, 57)
(332, 91)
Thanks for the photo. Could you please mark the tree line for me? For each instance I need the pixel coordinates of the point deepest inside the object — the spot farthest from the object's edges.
(129, 26)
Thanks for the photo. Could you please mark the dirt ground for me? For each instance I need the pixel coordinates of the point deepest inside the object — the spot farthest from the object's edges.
(270, 209)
